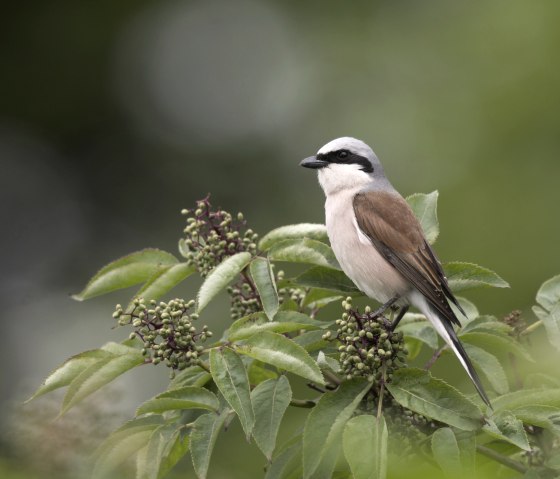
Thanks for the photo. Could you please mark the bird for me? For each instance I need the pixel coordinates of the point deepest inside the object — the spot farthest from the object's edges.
(380, 245)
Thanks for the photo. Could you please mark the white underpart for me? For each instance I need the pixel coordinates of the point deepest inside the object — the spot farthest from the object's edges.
(337, 177)
(417, 300)
(355, 253)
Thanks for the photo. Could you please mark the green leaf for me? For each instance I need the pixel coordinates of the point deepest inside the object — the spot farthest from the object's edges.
(258, 372)
(311, 341)
(203, 437)
(302, 230)
(126, 271)
(275, 349)
(507, 427)
(284, 322)
(416, 389)
(164, 449)
(551, 321)
(528, 397)
(487, 324)
(164, 280)
(324, 426)
(188, 397)
(287, 462)
(270, 400)
(220, 277)
(547, 417)
(304, 250)
(191, 376)
(124, 443)
(69, 370)
(365, 447)
(266, 286)
(549, 293)
(326, 278)
(102, 372)
(324, 362)
(318, 298)
(424, 207)
(421, 330)
(462, 276)
(446, 452)
(490, 366)
(230, 376)
(497, 343)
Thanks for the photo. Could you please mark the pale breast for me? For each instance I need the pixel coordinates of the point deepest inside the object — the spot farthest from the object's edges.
(356, 255)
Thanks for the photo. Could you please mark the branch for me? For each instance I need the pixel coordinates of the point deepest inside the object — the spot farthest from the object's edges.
(305, 403)
(434, 358)
(506, 461)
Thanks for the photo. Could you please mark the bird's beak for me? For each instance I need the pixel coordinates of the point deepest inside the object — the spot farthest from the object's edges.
(313, 162)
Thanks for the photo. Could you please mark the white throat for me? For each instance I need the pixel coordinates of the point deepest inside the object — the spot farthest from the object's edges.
(337, 177)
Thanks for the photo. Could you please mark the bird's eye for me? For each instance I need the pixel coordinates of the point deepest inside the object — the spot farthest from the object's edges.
(342, 154)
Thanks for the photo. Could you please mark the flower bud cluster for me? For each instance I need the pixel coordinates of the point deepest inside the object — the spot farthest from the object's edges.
(211, 236)
(288, 293)
(167, 331)
(516, 321)
(245, 299)
(367, 345)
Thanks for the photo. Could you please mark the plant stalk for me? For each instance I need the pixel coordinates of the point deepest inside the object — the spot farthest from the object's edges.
(506, 461)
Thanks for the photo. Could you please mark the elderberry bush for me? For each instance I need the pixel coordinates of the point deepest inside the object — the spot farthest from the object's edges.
(371, 405)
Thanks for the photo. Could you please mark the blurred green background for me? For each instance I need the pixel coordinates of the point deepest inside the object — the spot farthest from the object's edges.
(115, 115)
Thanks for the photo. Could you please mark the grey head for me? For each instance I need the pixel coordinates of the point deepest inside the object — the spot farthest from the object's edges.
(347, 163)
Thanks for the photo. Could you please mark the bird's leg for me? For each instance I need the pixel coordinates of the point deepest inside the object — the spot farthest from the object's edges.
(400, 316)
(379, 311)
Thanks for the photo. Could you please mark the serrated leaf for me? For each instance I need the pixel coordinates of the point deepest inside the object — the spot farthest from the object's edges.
(284, 322)
(421, 330)
(446, 452)
(490, 366)
(462, 276)
(311, 341)
(203, 437)
(416, 389)
(261, 273)
(286, 462)
(220, 277)
(551, 321)
(547, 417)
(507, 427)
(69, 370)
(230, 376)
(325, 362)
(365, 447)
(102, 372)
(548, 294)
(424, 207)
(270, 400)
(324, 426)
(326, 278)
(304, 250)
(124, 443)
(127, 271)
(164, 280)
(283, 353)
(166, 446)
(496, 342)
(188, 397)
(486, 324)
(191, 376)
(301, 230)
(318, 298)
(528, 397)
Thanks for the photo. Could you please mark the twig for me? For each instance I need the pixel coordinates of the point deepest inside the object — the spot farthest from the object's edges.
(316, 388)
(305, 403)
(434, 357)
(532, 327)
(381, 391)
(331, 377)
(506, 461)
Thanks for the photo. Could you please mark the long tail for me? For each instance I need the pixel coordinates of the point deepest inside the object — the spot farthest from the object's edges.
(446, 331)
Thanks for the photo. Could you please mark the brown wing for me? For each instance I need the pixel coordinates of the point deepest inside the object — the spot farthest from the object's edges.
(394, 231)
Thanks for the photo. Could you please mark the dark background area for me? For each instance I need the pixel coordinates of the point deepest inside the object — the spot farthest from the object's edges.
(115, 115)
